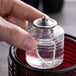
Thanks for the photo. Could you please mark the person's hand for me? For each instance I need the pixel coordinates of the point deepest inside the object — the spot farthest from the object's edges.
(13, 13)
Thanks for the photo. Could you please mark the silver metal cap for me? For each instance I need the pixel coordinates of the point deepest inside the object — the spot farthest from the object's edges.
(45, 22)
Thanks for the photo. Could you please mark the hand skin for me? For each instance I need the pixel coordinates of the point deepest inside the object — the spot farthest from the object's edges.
(14, 17)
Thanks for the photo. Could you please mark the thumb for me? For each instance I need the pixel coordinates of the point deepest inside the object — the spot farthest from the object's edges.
(16, 36)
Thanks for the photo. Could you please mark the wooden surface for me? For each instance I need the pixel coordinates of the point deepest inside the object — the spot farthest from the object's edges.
(66, 19)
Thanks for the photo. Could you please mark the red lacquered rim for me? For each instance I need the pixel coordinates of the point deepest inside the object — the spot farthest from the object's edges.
(26, 67)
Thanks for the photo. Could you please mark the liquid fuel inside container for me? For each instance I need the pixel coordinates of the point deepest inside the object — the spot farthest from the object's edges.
(50, 42)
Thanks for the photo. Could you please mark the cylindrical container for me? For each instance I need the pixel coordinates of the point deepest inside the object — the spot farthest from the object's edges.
(52, 6)
(34, 3)
(17, 65)
(50, 42)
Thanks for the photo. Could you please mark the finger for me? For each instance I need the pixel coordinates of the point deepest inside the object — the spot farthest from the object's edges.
(25, 11)
(16, 36)
(17, 21)
(5, 7)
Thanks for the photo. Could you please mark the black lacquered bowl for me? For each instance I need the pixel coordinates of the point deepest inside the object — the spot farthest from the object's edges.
(17, 65)
(52, 6)
(34, 3)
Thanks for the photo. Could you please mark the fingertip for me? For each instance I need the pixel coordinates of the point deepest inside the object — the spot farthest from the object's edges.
(24, 11)
(30, 43)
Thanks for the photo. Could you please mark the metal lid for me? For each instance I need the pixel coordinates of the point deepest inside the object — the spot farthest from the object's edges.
(45, 22)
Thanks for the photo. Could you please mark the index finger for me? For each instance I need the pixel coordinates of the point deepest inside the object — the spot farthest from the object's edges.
(25, 11)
